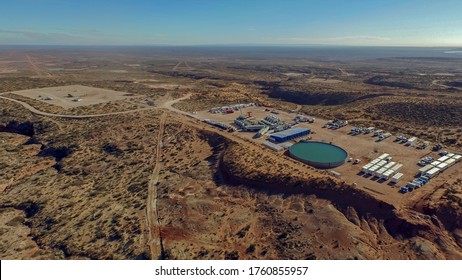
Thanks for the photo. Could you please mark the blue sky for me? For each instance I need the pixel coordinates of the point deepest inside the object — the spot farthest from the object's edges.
(182, 22)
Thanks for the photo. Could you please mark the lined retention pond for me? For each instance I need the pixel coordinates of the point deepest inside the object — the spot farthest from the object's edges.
(318, 154)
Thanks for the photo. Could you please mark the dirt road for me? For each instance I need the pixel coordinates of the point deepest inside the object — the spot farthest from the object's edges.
(181, 116)
(169, 105)
(37, 69)
(166, 105)
(38, 112)
(437, 83)
(154, 241)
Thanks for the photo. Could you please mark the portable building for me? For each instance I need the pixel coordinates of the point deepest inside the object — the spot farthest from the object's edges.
(450, 162)
(397, 177)
(396, 168)
(262, 132)
(336, 174)
(380, 172)
(366, 167)
(443, 166)
(368, 171)
(443, 158)
(433, 172)
(390, 165)
(457, 158)
(387, 174)
(286, 145)
(373, 169)
(378, 132)
(383, 156)
(425, 169)
(272, 146)
(381, 163)
(289, 134)
(411, 141)
(256, 127)
(384, 136)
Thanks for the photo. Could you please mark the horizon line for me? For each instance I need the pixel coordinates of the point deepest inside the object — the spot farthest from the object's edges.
(229, 45)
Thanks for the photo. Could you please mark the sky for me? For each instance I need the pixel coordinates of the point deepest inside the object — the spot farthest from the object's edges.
(232, 22)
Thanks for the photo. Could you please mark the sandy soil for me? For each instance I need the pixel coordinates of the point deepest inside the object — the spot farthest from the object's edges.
(324, 81)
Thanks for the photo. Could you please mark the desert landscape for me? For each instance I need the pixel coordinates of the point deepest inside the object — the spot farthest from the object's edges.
(114, 153)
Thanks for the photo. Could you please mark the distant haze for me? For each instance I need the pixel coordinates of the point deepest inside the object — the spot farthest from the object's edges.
(321, 53)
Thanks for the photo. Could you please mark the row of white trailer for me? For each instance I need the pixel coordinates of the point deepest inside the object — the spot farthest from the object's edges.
(277, 147)
(234, 107)
(383, 168)
(273, 146)
(439, 165)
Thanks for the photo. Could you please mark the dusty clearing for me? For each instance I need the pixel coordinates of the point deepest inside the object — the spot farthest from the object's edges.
(73, 96)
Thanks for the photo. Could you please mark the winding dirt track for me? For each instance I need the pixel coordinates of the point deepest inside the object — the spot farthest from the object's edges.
(152, 214)
(182, 116)
(166, 105)
(38, 112)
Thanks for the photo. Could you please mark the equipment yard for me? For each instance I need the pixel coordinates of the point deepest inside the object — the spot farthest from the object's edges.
(362, 147)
